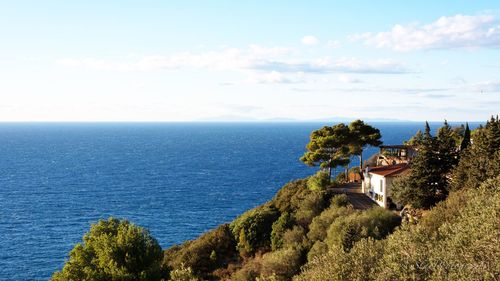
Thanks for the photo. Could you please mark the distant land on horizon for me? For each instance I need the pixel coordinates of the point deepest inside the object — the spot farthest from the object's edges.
(234, 118)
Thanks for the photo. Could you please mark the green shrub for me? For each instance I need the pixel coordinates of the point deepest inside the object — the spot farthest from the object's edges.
(183, 274)
(202, 254)
(114, 250)
(340, 200)
(295, 237)
(310, 206)
(252, 230)
(462, 247)
(360, 263)
(281, 264)
(376, 223)
(319, 181)
(278, 229)
(318, 249)
(289, 196)
(320, 224)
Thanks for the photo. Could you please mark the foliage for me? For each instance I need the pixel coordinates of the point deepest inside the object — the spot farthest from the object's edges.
(205, 254)
(320, 224)
(328, 147)
(114, 250)
(183, 274)
(362, 135)
(481, 160)
(290, 195)
(458, 246)
(456, 240)
(466, 139)
(427, 182)
(347, 230)
(340, 200)
(310, 206)
(319, 181)
(416, 140)
(281, 264)
(279, 227)
(252, 230)
(360, 263)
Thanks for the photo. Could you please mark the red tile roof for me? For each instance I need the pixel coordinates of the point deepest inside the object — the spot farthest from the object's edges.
(390, 170)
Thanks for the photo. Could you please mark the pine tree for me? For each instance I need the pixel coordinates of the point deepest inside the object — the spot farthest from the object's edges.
(328, 147)
(481, 160)
(466, 139)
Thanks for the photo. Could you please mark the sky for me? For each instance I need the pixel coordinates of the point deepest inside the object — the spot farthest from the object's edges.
(249, 60)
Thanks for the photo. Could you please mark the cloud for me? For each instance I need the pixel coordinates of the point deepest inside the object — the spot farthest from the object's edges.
(348, 79)
(458, 31)
(309, 40)
(484, 87)
(272, 62)
(224, 59)
(328, 65)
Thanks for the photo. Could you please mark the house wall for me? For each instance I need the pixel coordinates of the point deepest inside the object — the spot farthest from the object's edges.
(378, 188)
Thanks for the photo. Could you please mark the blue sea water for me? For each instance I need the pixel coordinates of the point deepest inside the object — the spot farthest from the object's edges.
(176, 179)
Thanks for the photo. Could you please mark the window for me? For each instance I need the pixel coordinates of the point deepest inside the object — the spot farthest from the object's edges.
(381, 185)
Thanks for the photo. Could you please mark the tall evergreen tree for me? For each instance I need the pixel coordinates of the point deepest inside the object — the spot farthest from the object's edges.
(481, 160)
(446, 153)
(466, 139)
(427, 182)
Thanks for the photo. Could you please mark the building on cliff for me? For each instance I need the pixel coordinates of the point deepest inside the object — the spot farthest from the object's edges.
(392, 161)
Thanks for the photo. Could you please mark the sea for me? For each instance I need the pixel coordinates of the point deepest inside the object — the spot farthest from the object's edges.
(176, 179)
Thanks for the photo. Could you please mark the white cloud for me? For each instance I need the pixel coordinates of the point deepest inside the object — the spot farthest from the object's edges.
(309, 40)
(344, 78)
(225, 59)
(459, 31)
(484, 87)
(328, 65)
(253, 58)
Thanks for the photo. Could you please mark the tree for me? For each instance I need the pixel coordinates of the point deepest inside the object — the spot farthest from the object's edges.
(481, 159)
(362, 135)
(446, 153)
(416, 140)
(421, 187)
(114, 250)
(466, 139)
(328, 147)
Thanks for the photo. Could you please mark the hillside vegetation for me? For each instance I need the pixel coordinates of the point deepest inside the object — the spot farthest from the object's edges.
(307, 232)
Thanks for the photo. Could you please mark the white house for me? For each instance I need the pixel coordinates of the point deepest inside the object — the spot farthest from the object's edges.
(377, 181)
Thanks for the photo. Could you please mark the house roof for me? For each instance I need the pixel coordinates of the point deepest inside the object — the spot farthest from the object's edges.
(390, 170)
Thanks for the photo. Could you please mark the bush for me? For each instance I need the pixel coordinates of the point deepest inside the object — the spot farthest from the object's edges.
(289, 196)
(318, 249)
(295, 237)
(463, 246)
(205, 254)
(375, 223)
(183, 274)
(360, 263)
(340, 200)
(252, 230)
(281, 264)
(279, 227)
(319, 181)
(320, 224)
(114, 250)
(310, 206)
